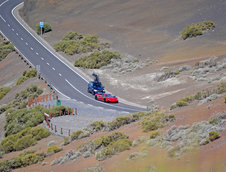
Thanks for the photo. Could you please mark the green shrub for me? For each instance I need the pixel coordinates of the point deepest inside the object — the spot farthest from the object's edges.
(97, 125)
(22, 160)
(224, 99)
(213, 135)
(21, 79)
(24, 138)
(5, 48)
(4, 91)
(213, 120)
(63, 109)
(76, 134)
(181, 103)
(155, 121)
(53, 149)
(72, 36)
(66, 140)
(45, 29)
(24, 142)
(154, 134)
(26, 75)
(196, 29)
(96, 59)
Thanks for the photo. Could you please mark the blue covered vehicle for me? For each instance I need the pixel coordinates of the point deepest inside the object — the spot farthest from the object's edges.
(95, 87)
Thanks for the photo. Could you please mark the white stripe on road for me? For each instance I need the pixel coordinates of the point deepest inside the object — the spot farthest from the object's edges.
(60, 74)
(22, 39)
(8, 25)
(42, 58)
(53, 68)
(96, 100)
(12, 29)
(17, 34)
(31, 48)
(2, 18)
(26, 43)
(4, 2)
(47, 63)
(36, 53)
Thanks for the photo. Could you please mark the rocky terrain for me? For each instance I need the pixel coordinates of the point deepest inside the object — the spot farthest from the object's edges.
(158, 70)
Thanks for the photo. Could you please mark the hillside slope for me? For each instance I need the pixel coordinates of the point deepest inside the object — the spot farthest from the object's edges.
(147, 29)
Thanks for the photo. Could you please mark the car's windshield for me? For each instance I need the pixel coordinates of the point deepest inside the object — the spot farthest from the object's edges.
(109, 96)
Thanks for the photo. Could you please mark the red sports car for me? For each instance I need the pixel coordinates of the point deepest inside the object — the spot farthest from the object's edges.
(106, 98)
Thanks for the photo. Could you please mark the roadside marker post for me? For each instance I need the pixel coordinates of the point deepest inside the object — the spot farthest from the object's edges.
(41, 26)
(55, 129)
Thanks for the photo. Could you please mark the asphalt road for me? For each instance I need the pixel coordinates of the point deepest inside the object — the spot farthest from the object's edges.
(56, 72)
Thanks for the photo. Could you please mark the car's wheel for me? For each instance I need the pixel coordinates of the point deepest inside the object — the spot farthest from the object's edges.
(93, 92)
(96, 97)
(104, 100)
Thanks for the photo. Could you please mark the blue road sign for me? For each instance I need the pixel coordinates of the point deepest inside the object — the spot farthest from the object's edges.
(41, 24)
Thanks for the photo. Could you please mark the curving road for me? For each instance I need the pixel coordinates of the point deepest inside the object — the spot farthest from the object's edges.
(56, 72)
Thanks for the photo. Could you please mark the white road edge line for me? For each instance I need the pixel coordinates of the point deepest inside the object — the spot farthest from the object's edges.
(53, 68)
(47, 64)
(9, 25)
(42, 58)
(2, 18)
(26, 43)
(22, 39)
(17, 34)
(12, 29)
(3, 2)
(96, 100)
(32, 48)
(43, 44)
(60, 74)
(36, 53)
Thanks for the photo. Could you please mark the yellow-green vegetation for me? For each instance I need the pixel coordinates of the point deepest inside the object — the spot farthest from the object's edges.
(97, 125)
(26, 75)
(20, 100)
(76, 134)
(156, 121)
(4, 91)
(97, 59)
(197, 29)
(66, 140)
(22, 160)
(20, 119)
(213, 135)
(221, 88)
(75, 43)
(154, 134)
(23, 139)
(213, 120)
(111, 144)
(5, 48)
(64, 110)
(53, 149)
(46, 28)
(224, 99)
(93, 169)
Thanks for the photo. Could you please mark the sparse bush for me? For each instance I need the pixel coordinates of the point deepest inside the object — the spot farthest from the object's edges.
(224, 99)
(154, 134)
(5, 48)
(66, 140)
(196, 29)
(213, 120)
(213, 135)
(24, 139)
(63, 109)
(74, 42)
(97, 125)
(45, 29)
(26, 75)
(4, 91)
(155, 121)
(181, 103)
(53, 149)
(22, 160)
(97, 59)
(76, 134)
